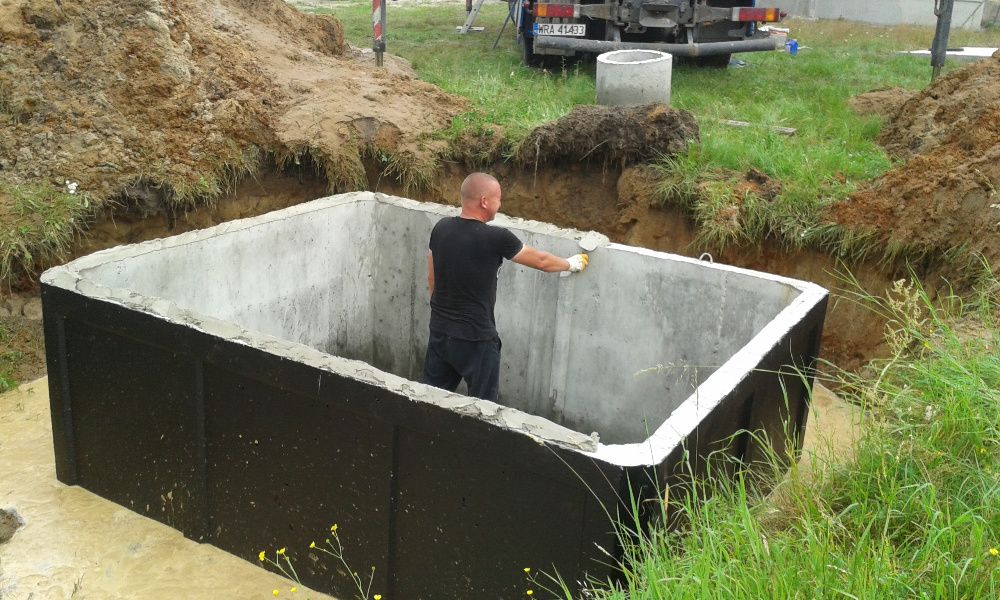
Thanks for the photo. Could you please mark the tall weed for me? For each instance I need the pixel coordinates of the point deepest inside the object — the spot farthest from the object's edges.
(914, 514)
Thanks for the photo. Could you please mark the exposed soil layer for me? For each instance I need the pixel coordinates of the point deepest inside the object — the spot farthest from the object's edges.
(22, 347)
(884, 102)
(619, 203)
(945, 194)
(170, 100)
(252, 197)
(611, 133)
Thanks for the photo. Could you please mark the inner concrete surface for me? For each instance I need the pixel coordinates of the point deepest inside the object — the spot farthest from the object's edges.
(76, 545)
(263, 372)
(614, 350)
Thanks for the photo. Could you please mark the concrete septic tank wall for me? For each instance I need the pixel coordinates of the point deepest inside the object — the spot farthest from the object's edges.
(252, 383)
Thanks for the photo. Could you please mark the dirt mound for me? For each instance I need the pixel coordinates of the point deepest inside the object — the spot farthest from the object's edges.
(884, 102)
(611, 133)
(169, 101)
(946, 111)
(945, 195)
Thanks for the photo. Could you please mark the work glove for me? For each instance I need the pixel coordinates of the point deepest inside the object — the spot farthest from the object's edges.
(578, 262)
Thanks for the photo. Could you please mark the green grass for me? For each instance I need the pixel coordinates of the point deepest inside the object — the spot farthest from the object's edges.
(832, 152)
(914, 514)
(38, 224)
(808, 92)
(503, 91)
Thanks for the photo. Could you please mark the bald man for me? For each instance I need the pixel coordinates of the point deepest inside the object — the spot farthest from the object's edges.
(463, 263)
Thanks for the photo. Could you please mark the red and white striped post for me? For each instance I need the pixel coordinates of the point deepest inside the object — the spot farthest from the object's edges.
(378, 29)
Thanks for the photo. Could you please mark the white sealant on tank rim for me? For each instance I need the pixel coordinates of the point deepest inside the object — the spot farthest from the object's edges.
(74, 277)
(622, 57)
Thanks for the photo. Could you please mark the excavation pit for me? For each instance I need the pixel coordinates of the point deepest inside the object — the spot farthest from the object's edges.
(252, 383)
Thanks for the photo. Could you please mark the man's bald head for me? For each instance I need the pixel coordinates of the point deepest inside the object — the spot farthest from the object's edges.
(477, 186)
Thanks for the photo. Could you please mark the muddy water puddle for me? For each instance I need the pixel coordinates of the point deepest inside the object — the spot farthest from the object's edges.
(76, 545)
(73, 544)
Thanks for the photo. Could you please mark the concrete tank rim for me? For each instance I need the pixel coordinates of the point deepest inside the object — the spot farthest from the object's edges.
(660, 441)
(609, 58)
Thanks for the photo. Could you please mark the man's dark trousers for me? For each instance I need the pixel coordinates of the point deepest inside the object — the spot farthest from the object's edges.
(449, 360)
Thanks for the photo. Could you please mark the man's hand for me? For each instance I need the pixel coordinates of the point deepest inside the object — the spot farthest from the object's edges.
(578, 262)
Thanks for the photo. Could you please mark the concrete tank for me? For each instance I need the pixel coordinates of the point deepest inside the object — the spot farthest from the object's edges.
(632, 77)
(252, 383)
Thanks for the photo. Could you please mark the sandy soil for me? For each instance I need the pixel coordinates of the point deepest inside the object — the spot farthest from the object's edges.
(158, 98)
(833, 428)
(884, 102)
(252, 197)
(74, 544)
(945, 193)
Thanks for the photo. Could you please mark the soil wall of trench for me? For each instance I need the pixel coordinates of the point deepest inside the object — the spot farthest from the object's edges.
(614, 201)
(621, 204)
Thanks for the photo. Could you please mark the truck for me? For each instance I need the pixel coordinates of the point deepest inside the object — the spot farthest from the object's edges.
(705, 31)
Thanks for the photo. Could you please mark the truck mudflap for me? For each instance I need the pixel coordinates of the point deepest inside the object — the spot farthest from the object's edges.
(693, 50)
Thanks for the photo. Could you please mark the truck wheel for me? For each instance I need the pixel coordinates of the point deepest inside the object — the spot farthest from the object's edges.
(528, 52)
(528, 55)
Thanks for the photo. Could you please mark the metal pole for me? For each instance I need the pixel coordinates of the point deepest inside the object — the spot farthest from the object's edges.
(943, 10)
(378, 30)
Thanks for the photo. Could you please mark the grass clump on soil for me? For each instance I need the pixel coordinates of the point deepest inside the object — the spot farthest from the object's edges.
(39, 223)
(914, 514)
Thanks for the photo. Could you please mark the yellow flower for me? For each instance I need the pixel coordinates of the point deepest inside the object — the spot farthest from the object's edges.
(274, 593)
(281, 551)
(527, 569)
(982, 450)
(261, 556)
(294, 589)
(378, 596)
(333, 528)
(994, 552)
(312, 544)
(530, 592)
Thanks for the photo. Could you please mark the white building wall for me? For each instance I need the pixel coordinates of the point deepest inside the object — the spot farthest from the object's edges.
(968, 14)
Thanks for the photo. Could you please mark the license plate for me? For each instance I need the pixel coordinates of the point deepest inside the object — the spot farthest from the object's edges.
(569, 29)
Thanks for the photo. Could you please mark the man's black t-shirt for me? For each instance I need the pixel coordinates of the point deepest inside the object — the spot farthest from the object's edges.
(467, 257)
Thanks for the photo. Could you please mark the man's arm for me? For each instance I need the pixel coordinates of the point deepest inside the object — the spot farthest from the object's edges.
(550, 263)
(430, 272)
